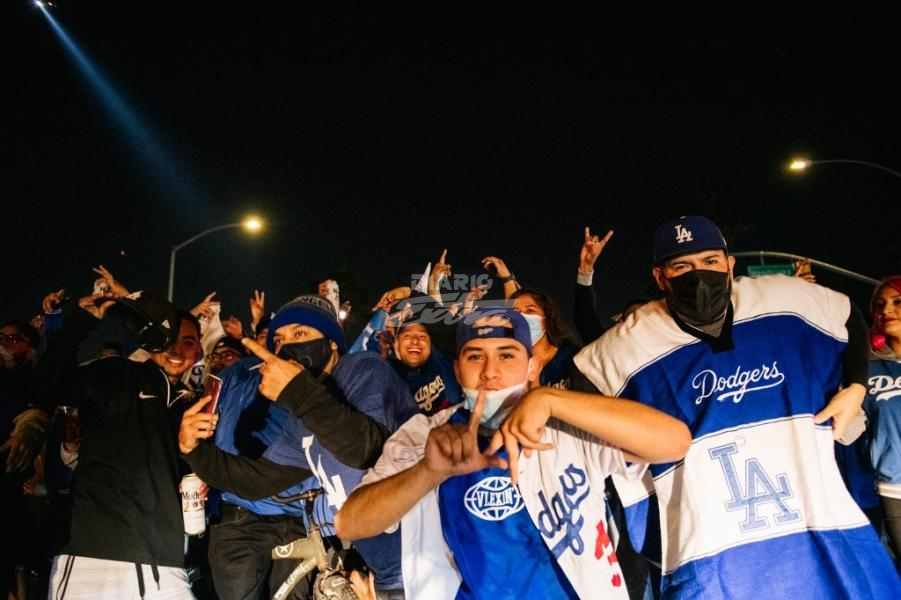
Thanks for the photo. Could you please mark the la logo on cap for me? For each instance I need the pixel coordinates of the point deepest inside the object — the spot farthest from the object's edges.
(682, 234)
(485, 330)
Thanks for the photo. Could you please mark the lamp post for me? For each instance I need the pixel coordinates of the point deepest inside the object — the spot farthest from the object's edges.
(251, 224)
(802, 164)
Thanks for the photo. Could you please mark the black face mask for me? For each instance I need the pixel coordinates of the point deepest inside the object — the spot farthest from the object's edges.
(313, 355)
(699, 296)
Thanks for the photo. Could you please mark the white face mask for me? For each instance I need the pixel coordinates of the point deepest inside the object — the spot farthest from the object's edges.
(536, 327)
(493, 415)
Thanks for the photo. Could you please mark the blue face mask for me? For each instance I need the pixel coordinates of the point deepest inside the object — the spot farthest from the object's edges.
(536, 327)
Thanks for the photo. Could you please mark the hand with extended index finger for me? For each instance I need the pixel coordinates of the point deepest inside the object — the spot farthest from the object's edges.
(439, 271)
(453, 448)
(524, 426)
(196, 426)
(277, 373)
(51, 301)
(207, 307)
(392, 297)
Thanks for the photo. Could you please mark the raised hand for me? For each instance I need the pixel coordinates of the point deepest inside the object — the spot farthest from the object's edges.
(115, 287)
(392, 297)
(257, 307)
(196, 425)
(232, 326)
(591, 250)
(524, 426)
(802, 270)
(206, 310)
(453, 448)
(499, 266)
(277, 373)
(52, 301)
(439, 271)
(97, 304)
(474, 295)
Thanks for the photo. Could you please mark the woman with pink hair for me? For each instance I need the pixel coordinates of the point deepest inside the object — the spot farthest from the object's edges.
(883, 402)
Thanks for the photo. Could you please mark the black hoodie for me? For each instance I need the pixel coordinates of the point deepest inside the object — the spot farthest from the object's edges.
(126, 504)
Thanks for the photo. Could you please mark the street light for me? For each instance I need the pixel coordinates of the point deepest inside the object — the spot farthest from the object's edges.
(802, 164)
(251, 224)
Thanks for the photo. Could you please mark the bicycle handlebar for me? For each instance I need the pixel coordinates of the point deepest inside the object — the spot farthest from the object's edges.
(306, 496)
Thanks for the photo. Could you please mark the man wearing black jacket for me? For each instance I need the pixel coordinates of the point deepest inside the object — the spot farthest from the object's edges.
(127, 534)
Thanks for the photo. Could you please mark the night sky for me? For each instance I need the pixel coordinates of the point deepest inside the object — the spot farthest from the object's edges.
(368, 149)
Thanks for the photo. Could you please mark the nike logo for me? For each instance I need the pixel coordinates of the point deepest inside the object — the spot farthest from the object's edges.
(144, 396)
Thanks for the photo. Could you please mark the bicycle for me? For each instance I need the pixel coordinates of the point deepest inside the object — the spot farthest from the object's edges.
(329, 583)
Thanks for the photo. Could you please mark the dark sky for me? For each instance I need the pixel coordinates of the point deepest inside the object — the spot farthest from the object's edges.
(370, 148)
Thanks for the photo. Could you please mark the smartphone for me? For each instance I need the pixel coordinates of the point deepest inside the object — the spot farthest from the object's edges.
(212, 388)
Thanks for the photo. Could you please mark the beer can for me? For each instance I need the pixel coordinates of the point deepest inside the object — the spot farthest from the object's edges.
(192, 508)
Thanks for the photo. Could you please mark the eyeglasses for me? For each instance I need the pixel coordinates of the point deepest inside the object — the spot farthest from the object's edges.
(11, 339)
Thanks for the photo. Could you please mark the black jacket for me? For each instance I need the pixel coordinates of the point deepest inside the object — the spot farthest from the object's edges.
(126, 504)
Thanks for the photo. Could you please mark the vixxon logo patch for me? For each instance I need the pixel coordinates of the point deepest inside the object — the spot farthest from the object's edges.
(493, 499)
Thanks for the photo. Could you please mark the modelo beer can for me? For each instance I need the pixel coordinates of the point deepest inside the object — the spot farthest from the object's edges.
(192, 508)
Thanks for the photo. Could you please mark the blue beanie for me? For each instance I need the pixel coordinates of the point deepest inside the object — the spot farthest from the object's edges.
(311, 310)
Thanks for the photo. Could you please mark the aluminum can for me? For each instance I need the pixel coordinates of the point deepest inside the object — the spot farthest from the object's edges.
(192, 508)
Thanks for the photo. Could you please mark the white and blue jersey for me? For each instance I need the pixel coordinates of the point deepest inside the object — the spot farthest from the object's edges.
(479, 536)
(883, 408)
(757, 508)
(484, 518)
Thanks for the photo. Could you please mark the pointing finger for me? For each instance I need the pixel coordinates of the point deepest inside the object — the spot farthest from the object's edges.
(513, 458)
(477, 411)
(823, 415)
(258, 350)
(443, 256)
(587, 232)
(198, 405)
(497, 441)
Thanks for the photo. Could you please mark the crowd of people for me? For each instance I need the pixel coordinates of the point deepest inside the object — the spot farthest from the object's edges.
(724, 437)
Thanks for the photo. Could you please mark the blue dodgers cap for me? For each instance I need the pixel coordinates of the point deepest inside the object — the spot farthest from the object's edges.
(518, 329)
(311, 310)
(686, 235)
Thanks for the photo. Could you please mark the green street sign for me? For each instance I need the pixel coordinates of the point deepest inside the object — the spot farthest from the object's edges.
(780, 269)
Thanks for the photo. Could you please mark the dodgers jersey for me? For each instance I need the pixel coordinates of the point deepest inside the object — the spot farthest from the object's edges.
(479, 536)
(883, 408)
(757, 508)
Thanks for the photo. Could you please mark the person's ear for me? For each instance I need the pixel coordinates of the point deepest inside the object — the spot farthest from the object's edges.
(534, 370)
(657, 274)
(731, 260)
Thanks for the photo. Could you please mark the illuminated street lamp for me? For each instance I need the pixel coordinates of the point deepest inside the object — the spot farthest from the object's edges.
(251, 224)
(802, 164)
